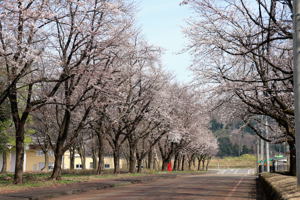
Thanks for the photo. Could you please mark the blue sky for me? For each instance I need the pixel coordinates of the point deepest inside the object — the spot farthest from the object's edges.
(161, 22)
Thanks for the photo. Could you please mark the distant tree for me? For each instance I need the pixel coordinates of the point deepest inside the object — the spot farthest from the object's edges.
(236, 150)
(246, 150)
(215, 125)
(225, 147)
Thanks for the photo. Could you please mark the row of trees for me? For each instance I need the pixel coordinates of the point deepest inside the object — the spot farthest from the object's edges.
(243, 54)
(80, 73)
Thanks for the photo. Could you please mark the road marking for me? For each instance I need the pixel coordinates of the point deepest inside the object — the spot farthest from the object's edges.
(234, 189)
(235, 171)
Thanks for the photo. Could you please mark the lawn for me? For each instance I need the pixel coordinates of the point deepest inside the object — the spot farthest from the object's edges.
(35, 180)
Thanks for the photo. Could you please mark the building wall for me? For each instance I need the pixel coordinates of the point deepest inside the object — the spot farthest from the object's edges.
(108, 162)
(11, 160)
(1, 161)
(35, 160)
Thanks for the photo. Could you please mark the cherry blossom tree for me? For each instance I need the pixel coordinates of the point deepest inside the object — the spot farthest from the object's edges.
(23, 35)
(248, 59)
(55, 46)
(187, 119)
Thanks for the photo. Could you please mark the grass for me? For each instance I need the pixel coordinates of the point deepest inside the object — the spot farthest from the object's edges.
(35, 180)
(244, 161)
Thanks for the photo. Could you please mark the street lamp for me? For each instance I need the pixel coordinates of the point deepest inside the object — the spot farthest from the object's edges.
(9, 146)
(296, 38)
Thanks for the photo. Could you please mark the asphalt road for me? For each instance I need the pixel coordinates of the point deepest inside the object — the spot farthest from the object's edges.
(236, 184)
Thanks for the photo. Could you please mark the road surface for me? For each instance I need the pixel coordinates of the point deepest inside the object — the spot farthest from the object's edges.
(227, 184)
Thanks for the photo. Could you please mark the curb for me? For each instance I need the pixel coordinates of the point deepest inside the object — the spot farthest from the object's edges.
(278, 187)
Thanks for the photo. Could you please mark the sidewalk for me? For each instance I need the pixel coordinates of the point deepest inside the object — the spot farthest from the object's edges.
(52, 192)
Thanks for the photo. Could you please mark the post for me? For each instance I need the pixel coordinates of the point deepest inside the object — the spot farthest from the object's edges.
(262, 153)
(257, 155)
(267, 147)
(296, 38)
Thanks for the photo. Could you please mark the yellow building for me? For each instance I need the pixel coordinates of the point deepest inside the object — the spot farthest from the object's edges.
(34, 160)
(108, 162)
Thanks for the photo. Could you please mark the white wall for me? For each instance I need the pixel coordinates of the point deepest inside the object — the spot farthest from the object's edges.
(1, 161)
(12, 161)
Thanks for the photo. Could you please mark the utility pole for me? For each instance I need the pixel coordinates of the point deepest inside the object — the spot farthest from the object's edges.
(267, 147)
(262, 154)
(257, 155)
(296, 38)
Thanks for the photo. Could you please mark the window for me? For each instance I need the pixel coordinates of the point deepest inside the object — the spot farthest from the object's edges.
(91, 165)
(107, 166)
(51, 165)
(51, 153)
(78, 166)
(39, 153)
(41, 165)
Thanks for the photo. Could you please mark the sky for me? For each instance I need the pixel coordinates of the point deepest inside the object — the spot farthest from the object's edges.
(161, 23)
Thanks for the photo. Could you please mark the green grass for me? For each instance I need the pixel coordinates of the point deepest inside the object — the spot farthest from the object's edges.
(35, 180)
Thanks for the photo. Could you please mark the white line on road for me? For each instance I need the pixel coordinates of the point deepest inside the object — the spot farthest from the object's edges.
(234, 189)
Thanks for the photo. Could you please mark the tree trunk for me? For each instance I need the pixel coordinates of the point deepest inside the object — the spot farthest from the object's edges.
(72, 158)
(182, 163)
(95, 164)
(199, 164)
(139, 164)
(165, 164)
(4, 162)
(292, 169)
(175, 162)
(100, 152)
(116, 159)
(132, 158)
(203, 164)
(59, 151)
(154, 166)
(19, 120)
(100, 159)
(46, 157)
(207, 163)
(56, 174)
(178, 163)
(150, 159)
(81, 151)
(18, 177)
(190, 162)
(194, 162)
(83, 159)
